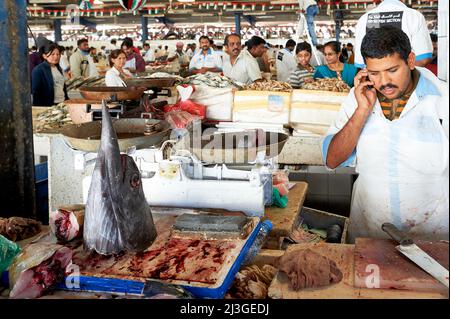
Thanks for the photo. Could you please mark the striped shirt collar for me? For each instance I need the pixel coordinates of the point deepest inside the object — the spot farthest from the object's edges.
(405, 97)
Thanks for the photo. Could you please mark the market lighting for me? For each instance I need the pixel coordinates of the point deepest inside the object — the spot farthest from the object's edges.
(186, 1)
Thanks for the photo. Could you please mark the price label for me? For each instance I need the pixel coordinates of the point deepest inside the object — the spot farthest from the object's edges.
(276, 103)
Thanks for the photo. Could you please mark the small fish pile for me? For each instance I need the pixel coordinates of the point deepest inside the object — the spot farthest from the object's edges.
(252, 282)
(162, 75)
(55, 117)
(269, 85)
(210, 79)
(79, 81)
(305, 234)
(332, 85)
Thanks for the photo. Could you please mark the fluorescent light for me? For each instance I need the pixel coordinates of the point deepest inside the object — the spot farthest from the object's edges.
(185, 1)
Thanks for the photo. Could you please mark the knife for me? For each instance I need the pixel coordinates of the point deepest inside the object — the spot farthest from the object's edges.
(416, 254)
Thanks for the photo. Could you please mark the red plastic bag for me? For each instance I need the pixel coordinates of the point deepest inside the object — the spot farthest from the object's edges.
(185, 104)
(180, 119)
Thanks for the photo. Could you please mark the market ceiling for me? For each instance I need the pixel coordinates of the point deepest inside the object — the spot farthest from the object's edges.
(208, 11)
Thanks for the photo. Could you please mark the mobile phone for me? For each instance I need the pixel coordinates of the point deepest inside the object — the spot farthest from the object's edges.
(370, 87)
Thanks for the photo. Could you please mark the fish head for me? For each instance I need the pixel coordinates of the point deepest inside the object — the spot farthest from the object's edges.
(116, 202)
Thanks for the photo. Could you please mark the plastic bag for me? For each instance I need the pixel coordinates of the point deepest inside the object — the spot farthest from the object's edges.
(180, 119)
(185, 104)
(8, 250)
(278, 200)
(281, 181)
(38, 268)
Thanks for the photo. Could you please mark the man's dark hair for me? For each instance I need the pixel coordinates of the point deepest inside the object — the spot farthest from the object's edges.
(290, 43)
(113, 41)
(128, 42)
(434, 37)
(254, 42)
(382, 42)
(225, 42)
(349, 45)
(81, 41)
(146, 44)
(203, 37)
(303, 46)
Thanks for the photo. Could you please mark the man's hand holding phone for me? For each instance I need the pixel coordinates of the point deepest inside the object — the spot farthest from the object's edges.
(365, 93)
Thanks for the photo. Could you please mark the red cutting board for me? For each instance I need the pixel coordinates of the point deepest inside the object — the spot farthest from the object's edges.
(396, 271)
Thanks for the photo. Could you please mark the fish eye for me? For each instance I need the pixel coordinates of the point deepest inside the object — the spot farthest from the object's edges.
(135, 181)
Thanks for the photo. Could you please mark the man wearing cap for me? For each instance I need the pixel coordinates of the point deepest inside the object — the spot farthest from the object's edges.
(239, 65)
(179, 57)
(286, 62)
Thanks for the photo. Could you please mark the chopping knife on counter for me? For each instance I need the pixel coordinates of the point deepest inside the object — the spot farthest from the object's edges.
(408, 248)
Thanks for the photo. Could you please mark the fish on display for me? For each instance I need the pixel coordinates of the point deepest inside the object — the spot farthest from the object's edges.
(38, 269)
(117, 216)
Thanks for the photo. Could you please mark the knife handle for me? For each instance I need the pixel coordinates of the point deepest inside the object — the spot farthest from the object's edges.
(399, 236)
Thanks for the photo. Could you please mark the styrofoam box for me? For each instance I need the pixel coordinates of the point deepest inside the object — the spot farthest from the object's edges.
(218, 101)
(315, 107)
(261, 107)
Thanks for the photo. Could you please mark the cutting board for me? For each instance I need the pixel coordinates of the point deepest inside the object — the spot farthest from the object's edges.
(284, 219)
(342, 255)
(395, 270)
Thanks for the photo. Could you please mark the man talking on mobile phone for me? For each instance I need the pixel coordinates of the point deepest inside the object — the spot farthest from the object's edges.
(396, 135)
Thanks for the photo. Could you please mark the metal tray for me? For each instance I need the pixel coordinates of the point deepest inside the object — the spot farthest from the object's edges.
(151, 83)
(112, 92)
(214, 151)
(86, 137)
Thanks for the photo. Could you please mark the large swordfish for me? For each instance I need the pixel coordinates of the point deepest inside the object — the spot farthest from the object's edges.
(117, 216)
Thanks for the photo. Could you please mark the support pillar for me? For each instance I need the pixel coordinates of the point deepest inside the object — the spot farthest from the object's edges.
(17, 195)
(57, 28)
(237, 22)
(144, 23)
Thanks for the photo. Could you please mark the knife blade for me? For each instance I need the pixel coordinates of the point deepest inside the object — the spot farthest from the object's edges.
(408, 248)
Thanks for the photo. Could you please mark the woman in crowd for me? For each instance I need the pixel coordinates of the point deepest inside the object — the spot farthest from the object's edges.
(335, 68)
(304, 72)
(48, 82)
(116, 75)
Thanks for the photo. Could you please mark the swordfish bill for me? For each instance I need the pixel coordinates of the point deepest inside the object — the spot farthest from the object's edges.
(117, 216)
